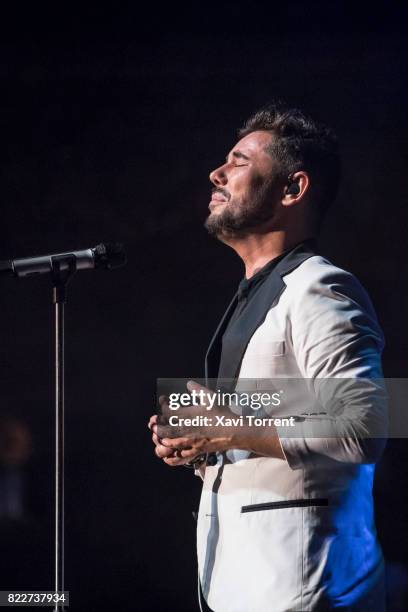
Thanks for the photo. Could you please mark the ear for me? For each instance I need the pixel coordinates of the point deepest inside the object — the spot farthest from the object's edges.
(296, 188)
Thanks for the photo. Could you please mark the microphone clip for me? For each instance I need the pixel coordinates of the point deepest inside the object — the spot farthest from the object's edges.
(63, 268)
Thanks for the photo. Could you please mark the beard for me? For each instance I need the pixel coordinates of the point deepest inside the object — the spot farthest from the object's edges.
(240, 217)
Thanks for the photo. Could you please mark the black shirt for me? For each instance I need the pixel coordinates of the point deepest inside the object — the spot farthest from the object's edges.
(236, 327)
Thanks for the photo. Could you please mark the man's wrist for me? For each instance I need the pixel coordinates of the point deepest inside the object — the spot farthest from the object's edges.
(263, 443)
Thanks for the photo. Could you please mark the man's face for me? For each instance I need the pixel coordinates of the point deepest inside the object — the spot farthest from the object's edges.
(246, 189)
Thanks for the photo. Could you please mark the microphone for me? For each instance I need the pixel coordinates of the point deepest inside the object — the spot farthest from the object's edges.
(105, 256)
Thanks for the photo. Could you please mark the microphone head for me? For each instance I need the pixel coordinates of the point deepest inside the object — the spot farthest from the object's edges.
(109, 256)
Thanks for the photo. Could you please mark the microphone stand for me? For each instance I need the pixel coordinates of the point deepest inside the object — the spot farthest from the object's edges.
(60, 279)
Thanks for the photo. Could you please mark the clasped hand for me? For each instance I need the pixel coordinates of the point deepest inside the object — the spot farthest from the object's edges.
(182, 443)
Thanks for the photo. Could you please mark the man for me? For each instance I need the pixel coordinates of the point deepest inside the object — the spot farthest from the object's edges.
(286, 519)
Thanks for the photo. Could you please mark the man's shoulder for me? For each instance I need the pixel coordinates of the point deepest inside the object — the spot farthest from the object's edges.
(318, 270)
(319, 283)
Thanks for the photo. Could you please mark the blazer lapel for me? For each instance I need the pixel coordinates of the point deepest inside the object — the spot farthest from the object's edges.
(213, 354)
(266, 296)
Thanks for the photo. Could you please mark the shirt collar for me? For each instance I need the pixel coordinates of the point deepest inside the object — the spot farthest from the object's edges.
(248, 284)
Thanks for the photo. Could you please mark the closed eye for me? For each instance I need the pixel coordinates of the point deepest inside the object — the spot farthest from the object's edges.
(238, 155)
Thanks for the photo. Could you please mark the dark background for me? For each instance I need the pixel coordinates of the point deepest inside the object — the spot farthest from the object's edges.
(111, 119)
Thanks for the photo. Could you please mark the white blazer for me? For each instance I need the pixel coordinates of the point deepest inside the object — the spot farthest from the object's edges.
(298, 534)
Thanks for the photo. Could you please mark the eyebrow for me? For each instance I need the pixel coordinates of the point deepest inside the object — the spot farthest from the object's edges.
(238, 155)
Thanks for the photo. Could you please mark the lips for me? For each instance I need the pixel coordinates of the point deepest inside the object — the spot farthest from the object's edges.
(217, 198)
(216, 203)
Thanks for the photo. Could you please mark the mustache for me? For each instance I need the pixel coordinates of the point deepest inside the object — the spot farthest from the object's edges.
(222, 191)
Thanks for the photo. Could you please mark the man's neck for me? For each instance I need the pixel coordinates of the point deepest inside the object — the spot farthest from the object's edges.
(256, 250)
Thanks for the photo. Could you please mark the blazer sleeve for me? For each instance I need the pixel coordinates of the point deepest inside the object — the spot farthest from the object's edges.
(337, 343)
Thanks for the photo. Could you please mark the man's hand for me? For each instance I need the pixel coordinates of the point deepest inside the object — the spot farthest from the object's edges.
(167, 453)
(166, 449)
(178, 445)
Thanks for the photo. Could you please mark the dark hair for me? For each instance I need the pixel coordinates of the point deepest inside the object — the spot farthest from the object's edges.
(300, 143)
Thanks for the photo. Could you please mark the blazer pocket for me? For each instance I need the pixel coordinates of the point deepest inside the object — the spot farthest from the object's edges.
(269, 349)
(289, 503)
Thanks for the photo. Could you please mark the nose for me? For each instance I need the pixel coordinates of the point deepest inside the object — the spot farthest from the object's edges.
(218, 176)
